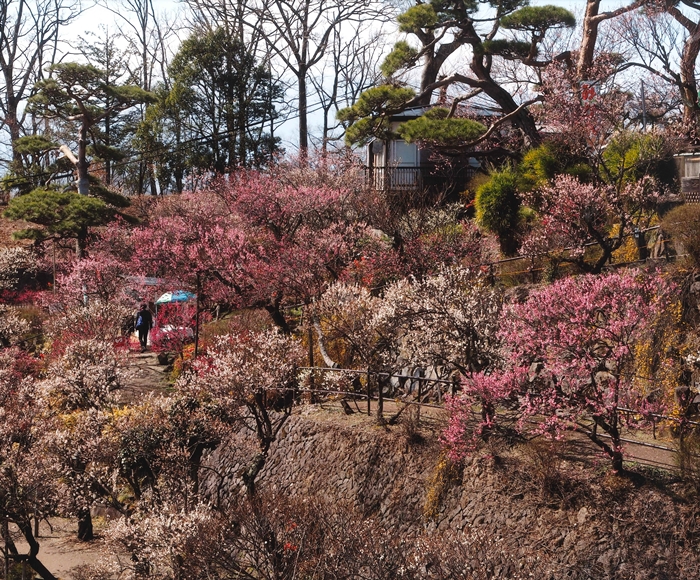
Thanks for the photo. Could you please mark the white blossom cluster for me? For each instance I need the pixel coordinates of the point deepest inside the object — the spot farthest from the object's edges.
(12, 326)
(159, 540)
(360, 325)
(448, 320)
(105, 320)
(15, 263)
(86, 374)
(245, 364)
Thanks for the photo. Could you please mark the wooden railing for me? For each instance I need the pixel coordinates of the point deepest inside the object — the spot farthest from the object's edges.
(395, 178)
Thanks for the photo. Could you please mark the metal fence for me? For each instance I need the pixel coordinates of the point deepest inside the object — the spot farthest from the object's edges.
(418, 390)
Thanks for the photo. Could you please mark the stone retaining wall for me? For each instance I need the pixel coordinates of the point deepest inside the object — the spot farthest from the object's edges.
(371, 469)
(630, 531)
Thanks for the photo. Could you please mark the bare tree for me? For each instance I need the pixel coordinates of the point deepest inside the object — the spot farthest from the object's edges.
(299, 33)
(350, 68)
(29, 36)
(665, 42)
(591, 23)
(148, 34)
(689, 56)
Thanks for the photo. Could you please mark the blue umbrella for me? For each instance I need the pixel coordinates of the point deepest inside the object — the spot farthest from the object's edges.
(176, 296)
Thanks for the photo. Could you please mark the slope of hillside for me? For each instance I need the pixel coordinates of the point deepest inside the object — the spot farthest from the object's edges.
(557, 506)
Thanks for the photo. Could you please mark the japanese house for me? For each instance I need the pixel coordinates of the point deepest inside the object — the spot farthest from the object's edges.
(394, 165)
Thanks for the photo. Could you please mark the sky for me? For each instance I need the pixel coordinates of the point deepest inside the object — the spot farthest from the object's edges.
(95, 16)
(91, 19)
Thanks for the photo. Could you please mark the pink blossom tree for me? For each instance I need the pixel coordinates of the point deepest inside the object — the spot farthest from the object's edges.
(194, 244)
(419, 254)
(575, 215)
(571, 354)
(302, 237)
(582, 113)
(577, 339)
(487, 390)
(98, 276)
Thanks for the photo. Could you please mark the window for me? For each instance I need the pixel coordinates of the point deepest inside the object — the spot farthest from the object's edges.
(406, 154)
(378, 153)
(692, 167)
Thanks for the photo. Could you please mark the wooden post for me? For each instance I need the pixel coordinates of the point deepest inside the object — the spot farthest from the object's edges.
(6, 535)
(53, 246)
(36, 517)
(196, 318)
(420, 395)
(312, 384)
(369, 393)
(380, 404)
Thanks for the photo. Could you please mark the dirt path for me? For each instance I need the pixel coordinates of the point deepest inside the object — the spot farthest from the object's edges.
(147, 376)
(60, 550)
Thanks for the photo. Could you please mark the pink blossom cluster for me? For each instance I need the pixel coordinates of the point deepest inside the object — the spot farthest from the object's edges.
(569, 353)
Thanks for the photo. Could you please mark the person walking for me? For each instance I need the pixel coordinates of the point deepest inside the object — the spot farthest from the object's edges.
(144, 323)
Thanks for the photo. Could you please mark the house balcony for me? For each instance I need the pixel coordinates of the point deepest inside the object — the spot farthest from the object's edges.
(417, 179)
(395, 178)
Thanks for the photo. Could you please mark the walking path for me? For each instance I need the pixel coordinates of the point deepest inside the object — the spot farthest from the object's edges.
(147, 376)
(640, 446)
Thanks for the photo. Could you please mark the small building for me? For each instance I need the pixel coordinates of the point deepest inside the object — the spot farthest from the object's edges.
(393, 165)
(688, 164)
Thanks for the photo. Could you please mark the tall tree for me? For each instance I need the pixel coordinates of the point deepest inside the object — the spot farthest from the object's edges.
(299, 32)
(150, 38)
(78, 93)
(147, 35)
(664, 39)
(442, 28)
(349, 69)
(29, 36)
(225, 98)
(110, 134)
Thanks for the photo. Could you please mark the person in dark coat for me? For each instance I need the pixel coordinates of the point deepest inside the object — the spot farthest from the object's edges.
(144, 323)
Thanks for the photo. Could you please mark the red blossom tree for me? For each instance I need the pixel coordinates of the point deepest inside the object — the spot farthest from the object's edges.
(420, 255)
(251, 241)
